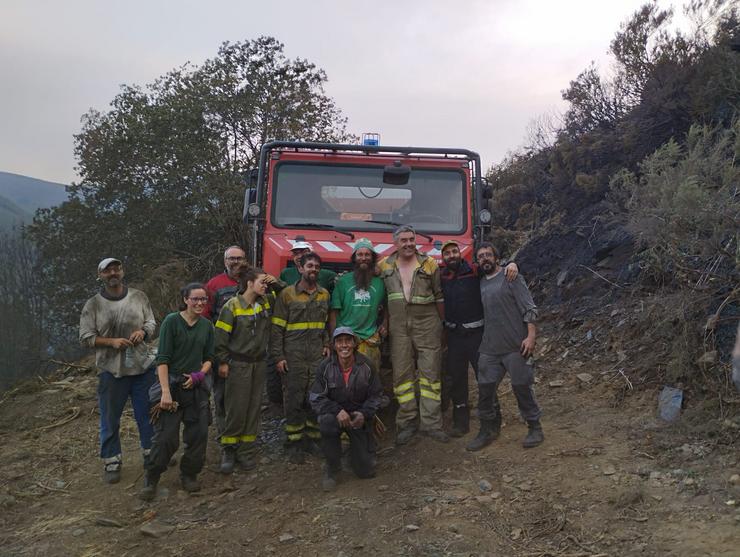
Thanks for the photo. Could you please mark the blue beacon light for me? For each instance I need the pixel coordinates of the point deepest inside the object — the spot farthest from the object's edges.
(371, 139)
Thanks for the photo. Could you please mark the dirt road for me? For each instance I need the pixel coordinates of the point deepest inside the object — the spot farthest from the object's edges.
(609, 480)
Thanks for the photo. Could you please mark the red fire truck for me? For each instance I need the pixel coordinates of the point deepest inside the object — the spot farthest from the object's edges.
(332, 194)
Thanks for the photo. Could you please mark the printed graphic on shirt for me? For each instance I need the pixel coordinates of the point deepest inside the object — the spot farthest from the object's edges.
(362, 296)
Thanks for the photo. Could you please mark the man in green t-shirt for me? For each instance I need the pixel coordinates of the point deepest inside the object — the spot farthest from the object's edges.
(291, 275)
(357, 302)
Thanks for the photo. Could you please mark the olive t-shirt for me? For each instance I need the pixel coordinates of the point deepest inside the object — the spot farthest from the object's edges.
(183, 347)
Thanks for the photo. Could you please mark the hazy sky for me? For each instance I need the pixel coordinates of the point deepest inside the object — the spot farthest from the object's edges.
(426, 73)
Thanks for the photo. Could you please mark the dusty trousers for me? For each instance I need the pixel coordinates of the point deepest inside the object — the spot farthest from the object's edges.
(361, 446)
(416, 353)
(491, 371)
(166, 439)
(300, 419)
(242, 403)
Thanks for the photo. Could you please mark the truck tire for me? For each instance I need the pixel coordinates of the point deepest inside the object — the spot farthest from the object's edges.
(273, 384)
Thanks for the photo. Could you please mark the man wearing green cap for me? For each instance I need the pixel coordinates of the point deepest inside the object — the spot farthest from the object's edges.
(357, 303)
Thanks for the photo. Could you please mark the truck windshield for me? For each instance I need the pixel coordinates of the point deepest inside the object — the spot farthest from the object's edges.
(352, 197)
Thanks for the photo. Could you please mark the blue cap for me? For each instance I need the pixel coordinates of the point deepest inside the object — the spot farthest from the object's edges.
(342, 331)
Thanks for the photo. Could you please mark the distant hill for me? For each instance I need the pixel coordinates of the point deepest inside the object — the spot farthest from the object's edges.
(20, 196)
(11, 215)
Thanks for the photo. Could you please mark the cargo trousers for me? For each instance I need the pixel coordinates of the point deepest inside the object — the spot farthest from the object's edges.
(491, 371)
(243, 402)
(416, 354)
(300, 419)
(166, 439)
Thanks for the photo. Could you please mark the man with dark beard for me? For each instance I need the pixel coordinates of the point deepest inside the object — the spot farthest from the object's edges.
(357, 303)
(507, 346)
(464, 329)
(298, 342)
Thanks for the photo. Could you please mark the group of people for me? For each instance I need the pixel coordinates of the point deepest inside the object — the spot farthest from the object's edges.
(322, 334)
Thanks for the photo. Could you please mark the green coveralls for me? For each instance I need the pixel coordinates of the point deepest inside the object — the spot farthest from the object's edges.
(299, 335)
(242, 334)
(415, 334)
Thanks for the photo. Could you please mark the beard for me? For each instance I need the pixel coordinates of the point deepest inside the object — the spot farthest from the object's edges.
(453, 264)
(488, 267)
(363, 276)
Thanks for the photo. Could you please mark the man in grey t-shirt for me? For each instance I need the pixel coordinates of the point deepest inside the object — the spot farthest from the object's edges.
(508, 341)
(115, 322)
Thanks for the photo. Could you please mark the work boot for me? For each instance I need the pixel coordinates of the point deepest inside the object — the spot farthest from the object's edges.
(534, 435)
(112, 472)
(489, 432)
(149, 490)
(245, 462)
(460, 420)
(312, 447)
(189, 483)
(329, 481)
(438, 435)
(295, 453)
(228, 459)
(245, 456)
(405, 435)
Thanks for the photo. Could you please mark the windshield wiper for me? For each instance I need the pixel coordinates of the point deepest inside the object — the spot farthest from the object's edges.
(391, 223)
(321, 226)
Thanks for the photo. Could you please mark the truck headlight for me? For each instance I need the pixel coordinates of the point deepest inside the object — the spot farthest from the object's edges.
(253, 210)
(484, 216)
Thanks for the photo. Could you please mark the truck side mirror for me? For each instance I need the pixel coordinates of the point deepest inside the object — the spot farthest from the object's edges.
(251, 209)
(252, 177)
(487, 192)
(396, 174)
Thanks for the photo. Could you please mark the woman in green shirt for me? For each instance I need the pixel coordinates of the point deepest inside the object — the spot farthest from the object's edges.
(186, 352)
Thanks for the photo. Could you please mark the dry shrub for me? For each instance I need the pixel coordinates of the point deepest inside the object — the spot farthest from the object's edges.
(162, 285)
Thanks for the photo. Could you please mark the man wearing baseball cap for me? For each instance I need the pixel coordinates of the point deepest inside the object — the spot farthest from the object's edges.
(346, 395)
(115, 322)
(292, 274)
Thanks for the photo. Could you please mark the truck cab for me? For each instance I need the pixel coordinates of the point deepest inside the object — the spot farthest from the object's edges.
(333, 194)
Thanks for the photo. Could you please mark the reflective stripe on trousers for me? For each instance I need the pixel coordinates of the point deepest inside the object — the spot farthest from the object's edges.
(416, 330)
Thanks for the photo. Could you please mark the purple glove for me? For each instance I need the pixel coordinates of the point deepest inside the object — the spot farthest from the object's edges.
(197, 377)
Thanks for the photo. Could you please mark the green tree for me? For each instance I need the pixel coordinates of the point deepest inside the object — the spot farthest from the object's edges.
(162, 171)
(23, 330)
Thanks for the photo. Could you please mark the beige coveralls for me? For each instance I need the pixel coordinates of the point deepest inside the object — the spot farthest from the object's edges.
(415, 331)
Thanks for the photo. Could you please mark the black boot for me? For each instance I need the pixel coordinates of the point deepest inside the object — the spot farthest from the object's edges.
(489, 432)
(484, 437)
(149, 491)
(295, 452)
(228, 459)
(189, 483)
(534, 435)
(460, 420)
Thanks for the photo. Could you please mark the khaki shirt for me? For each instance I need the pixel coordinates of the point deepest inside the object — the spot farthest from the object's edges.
(426, 284)
(243, 331)
(299, 323)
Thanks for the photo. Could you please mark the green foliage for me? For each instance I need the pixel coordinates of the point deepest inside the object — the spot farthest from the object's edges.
(162, 172)
(684, 205)
(23, 331)
(662, 82)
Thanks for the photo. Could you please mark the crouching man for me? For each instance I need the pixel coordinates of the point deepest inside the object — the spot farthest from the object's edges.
(345, 396)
